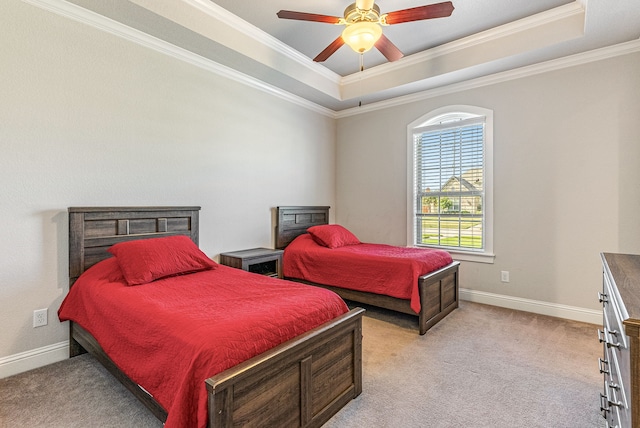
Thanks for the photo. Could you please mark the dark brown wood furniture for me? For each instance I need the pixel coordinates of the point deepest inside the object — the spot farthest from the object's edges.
(438, 289)
(620, 336)
(302, 382)
(264, 261)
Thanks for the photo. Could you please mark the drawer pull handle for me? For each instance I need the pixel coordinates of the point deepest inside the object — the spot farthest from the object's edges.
(601, 364)
(604, 408)
(604, 398)
(603, 337)
(602, 298)
(615, 345)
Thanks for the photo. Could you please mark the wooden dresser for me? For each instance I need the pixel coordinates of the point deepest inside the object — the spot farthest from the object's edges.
(620, 335)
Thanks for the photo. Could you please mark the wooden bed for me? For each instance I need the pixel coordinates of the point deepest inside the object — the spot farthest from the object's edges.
(438, 290)
(319, 371)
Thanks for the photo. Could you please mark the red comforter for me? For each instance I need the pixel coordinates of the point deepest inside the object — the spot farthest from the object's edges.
(375, 268)
(171, 334)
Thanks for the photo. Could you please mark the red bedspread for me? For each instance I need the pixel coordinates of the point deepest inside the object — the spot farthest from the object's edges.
(375, 268)
(170, 335)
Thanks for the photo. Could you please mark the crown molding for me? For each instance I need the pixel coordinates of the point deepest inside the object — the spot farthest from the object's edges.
(511, 29)
(110, 26)
(94, 20)
(211, 23)
(535, 32)
(262, 37)
(625, 48)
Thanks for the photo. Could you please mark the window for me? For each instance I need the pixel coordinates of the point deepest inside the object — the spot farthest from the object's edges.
(450, 183)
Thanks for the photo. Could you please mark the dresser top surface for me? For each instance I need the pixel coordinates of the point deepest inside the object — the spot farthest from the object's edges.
(625, 271)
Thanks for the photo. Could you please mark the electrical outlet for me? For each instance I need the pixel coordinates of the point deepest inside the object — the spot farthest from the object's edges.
(504, 276)
(40, 317)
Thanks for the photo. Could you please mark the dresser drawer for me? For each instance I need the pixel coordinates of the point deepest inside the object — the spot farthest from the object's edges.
(610, 412)
(611, 304)
(622, 363)
(616, 377)
(613, 404)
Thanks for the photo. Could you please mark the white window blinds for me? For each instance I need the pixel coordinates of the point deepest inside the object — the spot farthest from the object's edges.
(449, 184)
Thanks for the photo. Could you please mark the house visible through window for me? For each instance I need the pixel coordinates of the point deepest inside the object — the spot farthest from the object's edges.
(451, 195)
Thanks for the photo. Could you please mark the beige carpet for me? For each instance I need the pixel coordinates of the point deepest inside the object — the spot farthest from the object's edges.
(481, 366)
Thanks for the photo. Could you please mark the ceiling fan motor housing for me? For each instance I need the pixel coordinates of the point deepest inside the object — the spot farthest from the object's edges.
(353, 14)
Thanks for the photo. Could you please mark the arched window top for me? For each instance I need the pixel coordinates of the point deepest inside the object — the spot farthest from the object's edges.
(450, 181)
(448, 118)
(450, 114)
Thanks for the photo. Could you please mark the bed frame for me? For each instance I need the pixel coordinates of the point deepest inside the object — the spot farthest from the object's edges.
(438, 289)
(302, 382)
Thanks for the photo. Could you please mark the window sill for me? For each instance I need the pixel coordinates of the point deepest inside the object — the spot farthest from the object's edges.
(465, 256)
(472, 257)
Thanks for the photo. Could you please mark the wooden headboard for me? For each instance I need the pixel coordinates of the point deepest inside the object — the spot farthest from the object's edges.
(294, 221)
(92, 230)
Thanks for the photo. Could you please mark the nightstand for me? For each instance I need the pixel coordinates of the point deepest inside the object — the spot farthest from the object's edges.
(264, 261)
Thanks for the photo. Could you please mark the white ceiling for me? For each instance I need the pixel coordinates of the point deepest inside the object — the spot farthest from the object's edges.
(480, 38)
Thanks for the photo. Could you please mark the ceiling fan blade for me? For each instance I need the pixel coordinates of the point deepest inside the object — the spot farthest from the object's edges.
(303, 16)
(364, 4)
(438, 10)
(388, 49)
(329, 50)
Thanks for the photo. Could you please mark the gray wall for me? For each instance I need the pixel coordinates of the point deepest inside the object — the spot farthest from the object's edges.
(566, 174)
(90, 119)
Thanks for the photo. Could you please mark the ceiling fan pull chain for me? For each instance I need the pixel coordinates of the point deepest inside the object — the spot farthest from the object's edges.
(360, 78)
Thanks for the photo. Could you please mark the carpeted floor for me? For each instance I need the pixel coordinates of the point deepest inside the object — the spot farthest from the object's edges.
(482, 366)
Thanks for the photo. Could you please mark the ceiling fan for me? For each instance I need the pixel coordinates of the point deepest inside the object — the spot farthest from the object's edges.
(363, 22)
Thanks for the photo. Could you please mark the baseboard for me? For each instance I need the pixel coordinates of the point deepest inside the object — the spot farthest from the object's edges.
(537, 307)
(33, 359)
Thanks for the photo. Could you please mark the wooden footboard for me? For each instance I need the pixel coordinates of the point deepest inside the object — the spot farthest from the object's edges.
(438, 296)
(301, 383)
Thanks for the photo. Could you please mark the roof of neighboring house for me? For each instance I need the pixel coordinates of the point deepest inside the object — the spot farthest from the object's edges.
(470, 179)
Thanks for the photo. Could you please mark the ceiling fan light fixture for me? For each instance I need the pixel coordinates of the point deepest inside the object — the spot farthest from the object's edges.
(361, 36)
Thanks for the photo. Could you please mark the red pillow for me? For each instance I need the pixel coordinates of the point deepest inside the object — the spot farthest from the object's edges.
(146, 260)
(332, 236)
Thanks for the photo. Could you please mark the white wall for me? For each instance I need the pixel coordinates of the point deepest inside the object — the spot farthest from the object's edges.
(566, 173)
(90, 119)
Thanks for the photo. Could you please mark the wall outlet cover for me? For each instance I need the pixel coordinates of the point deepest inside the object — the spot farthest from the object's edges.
(40, 317)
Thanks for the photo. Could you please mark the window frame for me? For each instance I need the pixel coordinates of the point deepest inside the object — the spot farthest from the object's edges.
(485, 255)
